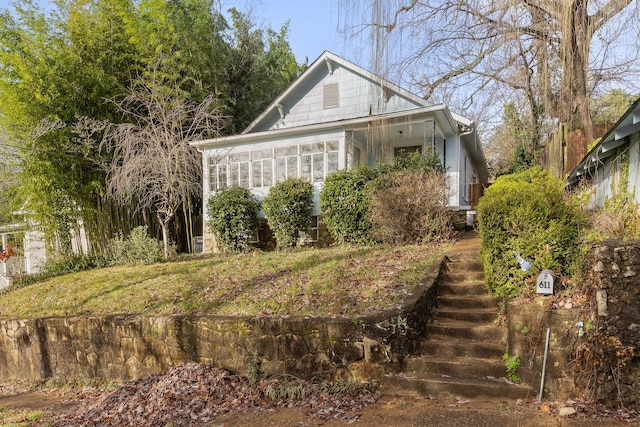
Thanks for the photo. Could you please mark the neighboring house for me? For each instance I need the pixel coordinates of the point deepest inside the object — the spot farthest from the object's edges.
(337, 115)
(29, 249)
(613, 164)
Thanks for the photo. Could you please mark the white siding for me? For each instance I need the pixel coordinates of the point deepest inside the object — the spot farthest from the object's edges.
(357, 97)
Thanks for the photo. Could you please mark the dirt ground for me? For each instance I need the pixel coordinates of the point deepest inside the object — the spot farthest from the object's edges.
(387, 411)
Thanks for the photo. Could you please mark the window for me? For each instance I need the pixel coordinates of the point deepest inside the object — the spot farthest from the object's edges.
(239, 169)
(357, 157)
(332, 156)
(331, 95)
(312, 161)
(262, 168)
(217, 173)
(286, 162)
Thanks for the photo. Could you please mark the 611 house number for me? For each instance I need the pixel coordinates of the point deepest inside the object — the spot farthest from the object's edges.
(544, 284)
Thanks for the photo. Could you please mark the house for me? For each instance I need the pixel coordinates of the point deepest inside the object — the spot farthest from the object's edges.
(337, 115)
(28, 244)
(28, 248)
(613, 164)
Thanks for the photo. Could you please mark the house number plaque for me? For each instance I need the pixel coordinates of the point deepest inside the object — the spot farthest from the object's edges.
(544, 284)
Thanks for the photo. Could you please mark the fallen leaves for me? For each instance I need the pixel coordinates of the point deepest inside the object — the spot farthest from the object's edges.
(193, 394)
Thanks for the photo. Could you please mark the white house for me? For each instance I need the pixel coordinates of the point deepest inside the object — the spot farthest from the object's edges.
(28, 247)
(614, 161)
(337, 115)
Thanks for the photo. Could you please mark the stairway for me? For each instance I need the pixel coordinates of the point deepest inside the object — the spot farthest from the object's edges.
(462, 354)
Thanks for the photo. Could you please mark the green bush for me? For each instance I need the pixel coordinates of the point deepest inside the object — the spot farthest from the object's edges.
(526, 213)
(288, 208)
(138, 248)
(347, 197)
(411, 207)
(345, 205)
(233, 218)
(412, 162)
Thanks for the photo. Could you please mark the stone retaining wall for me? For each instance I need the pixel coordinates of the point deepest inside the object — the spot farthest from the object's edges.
(603, 363)
(125, 347)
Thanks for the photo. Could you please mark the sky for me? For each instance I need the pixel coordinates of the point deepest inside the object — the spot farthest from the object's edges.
(314, 24)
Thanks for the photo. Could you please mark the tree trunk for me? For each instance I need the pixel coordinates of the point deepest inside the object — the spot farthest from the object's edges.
(574, 93)
(164, 221)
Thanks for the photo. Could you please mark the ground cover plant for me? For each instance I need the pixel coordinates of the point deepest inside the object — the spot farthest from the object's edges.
(321, 282)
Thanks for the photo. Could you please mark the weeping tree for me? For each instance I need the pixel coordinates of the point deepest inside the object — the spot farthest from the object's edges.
(153, 165)
(553, 53)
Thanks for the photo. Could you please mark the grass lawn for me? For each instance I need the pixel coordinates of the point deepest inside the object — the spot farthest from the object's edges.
(317, 282)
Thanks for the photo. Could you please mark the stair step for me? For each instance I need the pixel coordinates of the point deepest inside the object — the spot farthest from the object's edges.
(466, 330)
(451, 348)
(488, 315)
(468, 255)
(464, 288)
(465, 301)
(465, 265)
(463, 366)
(464, 276)
(435, 385)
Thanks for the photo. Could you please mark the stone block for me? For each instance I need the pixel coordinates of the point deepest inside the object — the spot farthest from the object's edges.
(344, 352)
(375, 352)
(291, 346)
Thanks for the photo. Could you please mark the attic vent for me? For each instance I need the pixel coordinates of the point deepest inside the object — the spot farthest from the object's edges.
(331, 95)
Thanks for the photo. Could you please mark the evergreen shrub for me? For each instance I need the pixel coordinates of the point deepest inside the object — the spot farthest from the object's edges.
(233, 218)
(288, 208)
(138, 248)
(526, 213)
(345, 205)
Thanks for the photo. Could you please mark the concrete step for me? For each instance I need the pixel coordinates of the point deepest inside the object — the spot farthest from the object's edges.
(467, 301)
(465, 257)
(464, 276)
(466, 330)
(429, 385)
(461, 366)
(465, 265)
(462, 288)
(448, 347)
(485, 315)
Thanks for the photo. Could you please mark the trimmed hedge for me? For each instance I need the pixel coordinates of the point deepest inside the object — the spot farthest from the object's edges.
(288, 209)
(345, 204)
(233, 218)
(526, 213)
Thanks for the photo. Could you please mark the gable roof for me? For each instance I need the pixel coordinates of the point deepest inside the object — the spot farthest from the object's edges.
(330, 61)
(616, 137)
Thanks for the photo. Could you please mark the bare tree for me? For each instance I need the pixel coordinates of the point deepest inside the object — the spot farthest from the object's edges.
(552, 52)
(152, 163)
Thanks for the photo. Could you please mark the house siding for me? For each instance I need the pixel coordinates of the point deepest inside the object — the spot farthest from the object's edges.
(357, 97)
